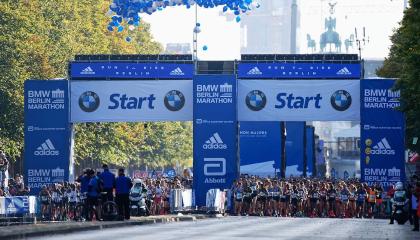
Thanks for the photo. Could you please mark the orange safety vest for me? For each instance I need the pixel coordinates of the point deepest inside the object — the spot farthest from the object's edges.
(372, 196)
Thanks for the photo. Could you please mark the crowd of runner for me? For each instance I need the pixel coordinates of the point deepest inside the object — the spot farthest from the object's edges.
(302, 197)
(61, 201)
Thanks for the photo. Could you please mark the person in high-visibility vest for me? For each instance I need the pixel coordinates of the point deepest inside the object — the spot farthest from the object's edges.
(371, 200)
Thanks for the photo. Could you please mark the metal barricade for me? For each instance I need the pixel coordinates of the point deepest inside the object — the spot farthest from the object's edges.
(181, 200)
(216, 201)
(175, 200)
(17, 210)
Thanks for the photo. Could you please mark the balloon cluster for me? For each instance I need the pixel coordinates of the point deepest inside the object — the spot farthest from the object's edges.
(127, 13)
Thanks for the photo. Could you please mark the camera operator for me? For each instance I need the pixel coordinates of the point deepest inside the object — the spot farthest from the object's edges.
(4, 174)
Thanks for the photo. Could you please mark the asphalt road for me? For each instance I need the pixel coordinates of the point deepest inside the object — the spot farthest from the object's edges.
(254, 228)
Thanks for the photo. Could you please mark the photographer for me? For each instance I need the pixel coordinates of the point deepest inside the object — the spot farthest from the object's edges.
(4, 174)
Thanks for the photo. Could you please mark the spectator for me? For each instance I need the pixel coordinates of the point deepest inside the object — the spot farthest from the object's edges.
(4, 174)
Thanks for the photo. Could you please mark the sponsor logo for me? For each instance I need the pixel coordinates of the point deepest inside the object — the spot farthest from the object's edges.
(39, 177)
(35, 128)
(382, 174)
(256, 100)
(214, 142)
(382, 148)
(341, 100)
(89, 101)
(46, 99)
(46, 149)
(205, 121)
(381, 98)
(214, 167)
(174, 100)
(87, 71)
(344, 71)
(177, 72)
(254, 71)
(214, 94)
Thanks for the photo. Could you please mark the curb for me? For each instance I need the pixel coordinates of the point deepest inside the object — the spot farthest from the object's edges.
(89, 226)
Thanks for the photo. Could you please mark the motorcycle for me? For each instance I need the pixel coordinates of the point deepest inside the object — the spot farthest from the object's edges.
(401, 212)
(137, 198)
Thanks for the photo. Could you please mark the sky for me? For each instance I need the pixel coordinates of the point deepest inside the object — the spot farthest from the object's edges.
(379, 17)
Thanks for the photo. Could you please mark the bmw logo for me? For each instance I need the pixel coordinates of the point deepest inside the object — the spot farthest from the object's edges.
(341, 100)
(174, 100)
(256, 100)
(89, 101)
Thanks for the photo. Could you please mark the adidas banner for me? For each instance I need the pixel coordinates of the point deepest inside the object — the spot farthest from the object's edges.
(299, 70)
(260, 148)
(131, 101)
(47, 133)
(304, 100)
(120, 70)
(382, 133)
(215, 134)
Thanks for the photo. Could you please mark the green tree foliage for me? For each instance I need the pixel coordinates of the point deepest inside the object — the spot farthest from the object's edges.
(37, 40)
(403, 63)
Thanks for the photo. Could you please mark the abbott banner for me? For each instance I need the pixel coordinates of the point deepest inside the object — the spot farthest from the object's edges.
(131, 101)
(303, 100)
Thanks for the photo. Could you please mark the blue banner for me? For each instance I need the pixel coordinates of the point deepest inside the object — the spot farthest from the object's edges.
(382, 133)
(16, 205)
(260, 148)
(215, 134)
(320, 158)
(295, 148)
(299, 70)
(310, 144)
(121, 70)
(47, 133)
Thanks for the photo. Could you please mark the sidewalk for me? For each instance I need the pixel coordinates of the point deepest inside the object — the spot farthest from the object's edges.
(41, 229)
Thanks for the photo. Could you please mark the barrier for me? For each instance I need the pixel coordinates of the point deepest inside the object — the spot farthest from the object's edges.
(17, 210)
(181, 200)
(216, 201)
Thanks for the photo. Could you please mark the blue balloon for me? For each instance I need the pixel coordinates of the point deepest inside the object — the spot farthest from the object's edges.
(128, 39)
(205, 48)
(127, 12)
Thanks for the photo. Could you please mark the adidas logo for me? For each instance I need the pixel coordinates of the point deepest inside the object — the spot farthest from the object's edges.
(46, 149)
(344, 71)
(11, 207)
(87, 71)
(382, 148)
(214, 142)
(177, 72)
(255, 71)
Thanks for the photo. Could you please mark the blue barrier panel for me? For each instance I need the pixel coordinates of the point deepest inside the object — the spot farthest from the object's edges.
(310, 144)
(260, 148)
(294, 148)
(299, 70)
(47, 133)
(119, 70)
(215, 134)
(382, 133)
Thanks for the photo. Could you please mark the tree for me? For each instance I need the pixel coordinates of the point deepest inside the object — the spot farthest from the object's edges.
(38, 38)
(403, 63)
